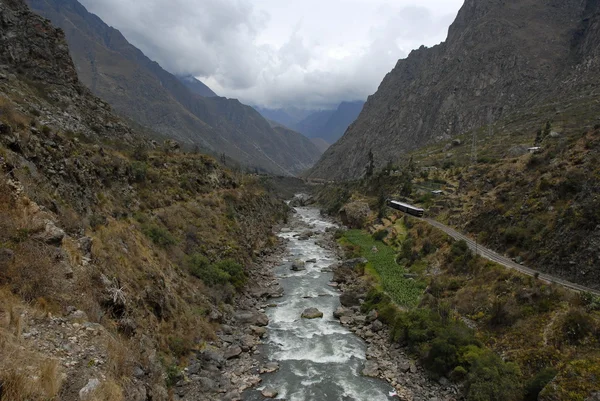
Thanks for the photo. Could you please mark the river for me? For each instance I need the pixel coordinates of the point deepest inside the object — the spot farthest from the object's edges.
(320, 360)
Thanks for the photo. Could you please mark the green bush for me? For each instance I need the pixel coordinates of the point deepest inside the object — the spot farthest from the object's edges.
(179, 346)
(446, 349)
(576, 326)
(139, 171)
(489, 377)
(159, 235)
(221, 273)
(380, 235)
(237, 277)
(538, 382)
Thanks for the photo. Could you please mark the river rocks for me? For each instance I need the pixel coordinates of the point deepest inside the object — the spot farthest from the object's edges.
(376, 326)
(269, 393)
(258, 331)
(346, 320)
(371, 369)
(270, 368)
(350, 298)
(298, 265)
(372, 316)
(232, 352)
(341, 311)
(305, 235)
(247, 342)
(313, 260)
(252, 318)
(404, 366)
(312, 313)
(348, 270)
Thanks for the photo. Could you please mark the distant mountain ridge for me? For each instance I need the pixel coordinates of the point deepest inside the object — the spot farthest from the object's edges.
(196, 86)
(326, 125)
(500, 59)
(141, 90)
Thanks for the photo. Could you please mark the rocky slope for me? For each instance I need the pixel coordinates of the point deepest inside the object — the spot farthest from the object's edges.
(119, 257)
(501, 61)
(140, 89)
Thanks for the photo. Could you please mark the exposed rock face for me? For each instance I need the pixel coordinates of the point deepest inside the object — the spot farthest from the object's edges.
(355, 214)
(500, 58)
(139, 88)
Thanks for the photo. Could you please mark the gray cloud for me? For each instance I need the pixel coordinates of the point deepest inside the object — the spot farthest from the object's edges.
(266, 54)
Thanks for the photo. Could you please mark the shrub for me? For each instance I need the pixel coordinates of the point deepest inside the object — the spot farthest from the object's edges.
(237, 277)
(139, 171)
(446, 349)
(380, 235)
(158, 235)
(538, 382)
(576, 326)
(179, 346)
(489, 377)
(220, 273)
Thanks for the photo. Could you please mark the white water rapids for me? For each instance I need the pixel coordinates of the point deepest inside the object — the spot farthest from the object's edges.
(320, 360)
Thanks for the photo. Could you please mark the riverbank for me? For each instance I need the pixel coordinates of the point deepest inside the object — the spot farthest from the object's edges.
(228, 365)
(387, 360)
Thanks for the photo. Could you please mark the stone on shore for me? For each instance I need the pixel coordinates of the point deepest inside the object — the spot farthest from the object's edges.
(371, 369)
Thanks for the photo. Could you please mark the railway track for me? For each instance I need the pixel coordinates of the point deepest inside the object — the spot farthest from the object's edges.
(506, 262)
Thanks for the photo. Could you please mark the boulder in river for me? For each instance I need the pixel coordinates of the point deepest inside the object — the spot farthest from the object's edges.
(312, 313)
(298, 265)
(270, 368)
(269, 393)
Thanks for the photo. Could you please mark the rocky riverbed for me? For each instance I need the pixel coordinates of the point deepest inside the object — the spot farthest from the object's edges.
(297, 333)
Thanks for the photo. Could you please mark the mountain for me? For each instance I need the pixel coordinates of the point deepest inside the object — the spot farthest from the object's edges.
(141, 90)
(501, 60)
(326, 125)
(196, 86)
(330, 125)
(114, 248)
(321, 144)
(287, 116)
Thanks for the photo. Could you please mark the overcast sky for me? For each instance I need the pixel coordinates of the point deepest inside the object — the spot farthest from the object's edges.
(304, 53)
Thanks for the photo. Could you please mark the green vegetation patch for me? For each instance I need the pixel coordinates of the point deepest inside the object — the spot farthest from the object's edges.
(403, 291)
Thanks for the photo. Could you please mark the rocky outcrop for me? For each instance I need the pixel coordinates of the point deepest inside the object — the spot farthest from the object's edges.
(500, 59)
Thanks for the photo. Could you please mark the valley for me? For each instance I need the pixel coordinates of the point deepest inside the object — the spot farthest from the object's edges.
(162, 242)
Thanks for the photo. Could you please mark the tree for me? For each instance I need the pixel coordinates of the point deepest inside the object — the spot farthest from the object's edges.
(370, 165)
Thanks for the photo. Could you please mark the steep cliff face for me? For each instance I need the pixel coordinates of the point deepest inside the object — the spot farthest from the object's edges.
(501, 57)
(140, 89)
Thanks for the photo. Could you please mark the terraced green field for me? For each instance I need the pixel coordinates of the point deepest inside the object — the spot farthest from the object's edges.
(404, 292)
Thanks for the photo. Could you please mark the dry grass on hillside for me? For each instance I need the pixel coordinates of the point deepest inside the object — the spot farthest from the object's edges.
(25, 375)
